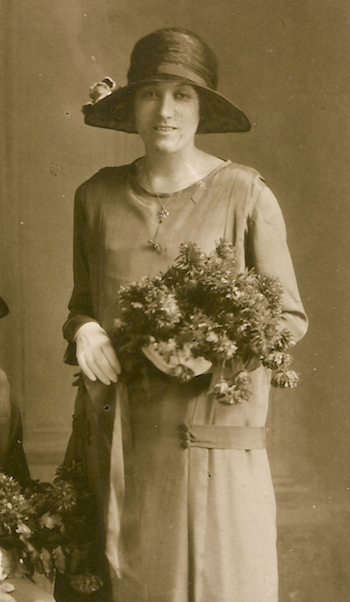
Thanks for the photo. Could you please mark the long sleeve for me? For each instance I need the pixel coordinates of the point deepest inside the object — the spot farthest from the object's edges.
(80, 304)
(269, 254)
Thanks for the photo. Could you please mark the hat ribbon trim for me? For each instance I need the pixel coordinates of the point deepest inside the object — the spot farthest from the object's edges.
(181, 71)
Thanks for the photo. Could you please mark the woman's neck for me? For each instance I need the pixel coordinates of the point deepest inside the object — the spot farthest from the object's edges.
(162, 173)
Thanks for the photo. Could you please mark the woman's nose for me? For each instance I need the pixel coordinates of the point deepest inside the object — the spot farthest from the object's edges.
(166, 105)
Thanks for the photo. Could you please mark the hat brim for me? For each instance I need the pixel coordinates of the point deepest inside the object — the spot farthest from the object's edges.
(114, 111)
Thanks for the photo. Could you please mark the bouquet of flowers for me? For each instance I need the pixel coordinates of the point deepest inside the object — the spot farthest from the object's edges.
(201, 307)
(48, 527)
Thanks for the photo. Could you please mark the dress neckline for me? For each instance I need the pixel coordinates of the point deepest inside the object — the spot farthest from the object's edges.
(164, 195)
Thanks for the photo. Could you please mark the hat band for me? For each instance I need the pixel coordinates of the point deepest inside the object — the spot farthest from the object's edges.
(180, 71)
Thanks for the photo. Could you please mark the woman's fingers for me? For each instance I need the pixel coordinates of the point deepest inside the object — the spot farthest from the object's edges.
(95, 354)
(85, 368)
(99, 364)
(165, 358)
(4, 597)
(111, 357)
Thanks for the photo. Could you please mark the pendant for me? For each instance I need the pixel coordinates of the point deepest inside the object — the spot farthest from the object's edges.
(156, 246)
(162, 214)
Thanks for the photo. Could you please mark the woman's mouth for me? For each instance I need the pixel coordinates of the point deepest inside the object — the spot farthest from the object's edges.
(164, 128)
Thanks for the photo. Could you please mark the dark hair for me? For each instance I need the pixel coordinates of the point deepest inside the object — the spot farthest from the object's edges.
(205, 108)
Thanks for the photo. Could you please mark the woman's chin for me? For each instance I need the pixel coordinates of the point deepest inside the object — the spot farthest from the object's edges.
(164, 144)
(169, 142)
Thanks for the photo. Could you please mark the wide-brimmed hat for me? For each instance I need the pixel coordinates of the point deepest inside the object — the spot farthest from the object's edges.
(171, 54)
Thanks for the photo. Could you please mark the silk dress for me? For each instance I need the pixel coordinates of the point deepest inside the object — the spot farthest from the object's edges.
(183, 481)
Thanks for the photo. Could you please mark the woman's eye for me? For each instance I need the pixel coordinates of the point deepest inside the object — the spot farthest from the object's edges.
(181, 95)
(149, 94)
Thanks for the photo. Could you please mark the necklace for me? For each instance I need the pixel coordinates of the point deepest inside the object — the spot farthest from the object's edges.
(162, 213)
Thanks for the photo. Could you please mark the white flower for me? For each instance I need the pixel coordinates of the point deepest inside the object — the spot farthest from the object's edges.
(136, 305)
(50, 521)
(212, 337)
(118, 323)
(23, 528)
(102, 89)
(221, 388)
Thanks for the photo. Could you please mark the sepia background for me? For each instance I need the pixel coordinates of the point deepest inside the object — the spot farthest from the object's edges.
(286, 63)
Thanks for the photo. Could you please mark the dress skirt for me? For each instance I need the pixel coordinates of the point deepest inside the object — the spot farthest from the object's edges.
(198, 520)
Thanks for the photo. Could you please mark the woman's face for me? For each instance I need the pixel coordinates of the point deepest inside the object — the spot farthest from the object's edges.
(167, 116)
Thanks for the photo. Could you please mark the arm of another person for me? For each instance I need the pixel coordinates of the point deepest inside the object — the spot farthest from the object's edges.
(269, 255)
(25, 590)
(89, 344)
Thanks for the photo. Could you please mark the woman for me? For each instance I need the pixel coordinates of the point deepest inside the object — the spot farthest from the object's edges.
(185, 521)
(12, 457)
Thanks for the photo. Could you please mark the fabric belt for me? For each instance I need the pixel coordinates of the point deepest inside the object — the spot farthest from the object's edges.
(223, 437)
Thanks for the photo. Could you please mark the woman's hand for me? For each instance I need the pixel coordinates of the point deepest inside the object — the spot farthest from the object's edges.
(165, 357)
(95, 354)
(6, 587)
(4, 597)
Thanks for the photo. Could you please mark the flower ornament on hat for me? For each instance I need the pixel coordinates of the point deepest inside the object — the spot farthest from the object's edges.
(171, 54)
(102, 89)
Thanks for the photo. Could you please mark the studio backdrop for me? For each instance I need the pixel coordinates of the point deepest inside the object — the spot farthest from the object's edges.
(287, 65)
